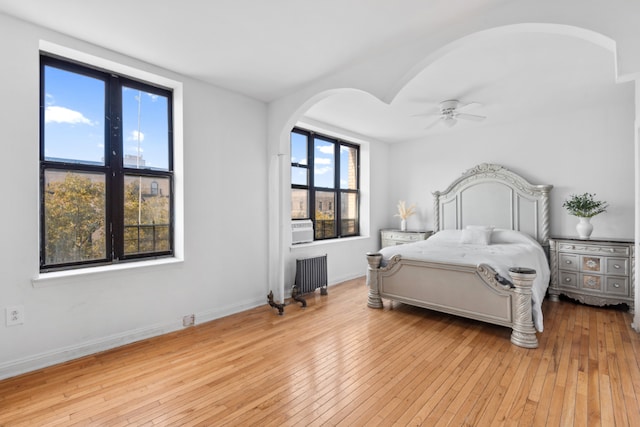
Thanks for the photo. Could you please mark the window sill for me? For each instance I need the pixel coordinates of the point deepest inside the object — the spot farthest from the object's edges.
(326, 242)
(58, 277)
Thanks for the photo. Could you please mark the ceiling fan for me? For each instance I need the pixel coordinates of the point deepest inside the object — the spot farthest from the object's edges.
(452, 110)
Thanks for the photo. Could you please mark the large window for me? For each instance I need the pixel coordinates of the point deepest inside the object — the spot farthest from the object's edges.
(106, 167)
(325, 183)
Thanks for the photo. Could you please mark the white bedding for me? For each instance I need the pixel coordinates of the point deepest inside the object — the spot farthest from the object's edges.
(506, 249)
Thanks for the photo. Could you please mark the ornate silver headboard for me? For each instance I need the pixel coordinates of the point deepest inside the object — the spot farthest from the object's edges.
(490, 194)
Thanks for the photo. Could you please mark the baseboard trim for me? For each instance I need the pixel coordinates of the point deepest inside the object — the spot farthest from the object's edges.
(43, 360)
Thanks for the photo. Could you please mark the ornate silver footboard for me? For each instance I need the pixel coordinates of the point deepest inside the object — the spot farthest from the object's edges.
(463, 290)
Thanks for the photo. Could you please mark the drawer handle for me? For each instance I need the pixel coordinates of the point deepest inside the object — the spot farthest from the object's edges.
(616, 285)
(591, 263)
(616, 266)
(567, 279)
(567, 262)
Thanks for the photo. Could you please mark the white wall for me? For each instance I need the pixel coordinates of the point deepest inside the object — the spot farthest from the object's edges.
(588, 150)
(225, 170)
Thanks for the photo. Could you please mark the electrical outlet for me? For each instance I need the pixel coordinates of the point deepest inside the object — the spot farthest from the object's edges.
(189, 320)
(15, 315)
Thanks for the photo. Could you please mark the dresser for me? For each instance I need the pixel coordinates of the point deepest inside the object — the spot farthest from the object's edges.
(594, 271)
(398, 237)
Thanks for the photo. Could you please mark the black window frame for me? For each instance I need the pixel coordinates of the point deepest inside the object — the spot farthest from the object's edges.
(311, 188)
(113, 168)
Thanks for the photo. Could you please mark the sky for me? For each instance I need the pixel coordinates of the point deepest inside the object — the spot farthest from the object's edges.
(324, 162)
(75, 120)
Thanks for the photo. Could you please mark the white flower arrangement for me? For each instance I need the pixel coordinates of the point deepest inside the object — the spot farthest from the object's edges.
(405, 212)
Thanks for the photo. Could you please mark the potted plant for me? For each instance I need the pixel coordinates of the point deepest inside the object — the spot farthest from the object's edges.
(585, 207)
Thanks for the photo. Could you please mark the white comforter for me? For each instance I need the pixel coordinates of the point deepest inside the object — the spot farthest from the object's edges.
(506, 249)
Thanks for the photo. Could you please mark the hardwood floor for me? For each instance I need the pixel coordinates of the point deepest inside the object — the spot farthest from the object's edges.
(338, 362)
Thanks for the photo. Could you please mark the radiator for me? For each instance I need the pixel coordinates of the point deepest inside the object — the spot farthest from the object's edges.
(311, 274)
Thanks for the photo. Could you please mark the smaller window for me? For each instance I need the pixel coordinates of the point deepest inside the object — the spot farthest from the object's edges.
(325, 183)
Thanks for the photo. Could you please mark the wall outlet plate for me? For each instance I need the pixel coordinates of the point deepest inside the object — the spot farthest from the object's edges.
(15, 315)
(189, 320)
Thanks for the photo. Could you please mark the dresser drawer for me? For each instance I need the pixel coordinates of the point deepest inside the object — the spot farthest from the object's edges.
(569, 262)
(617, 286)
(568, 280)
(387, 242)
(403, 237)
(617, 266)
(592, 264)
(592, 282)
(399, 237)
(599, 249)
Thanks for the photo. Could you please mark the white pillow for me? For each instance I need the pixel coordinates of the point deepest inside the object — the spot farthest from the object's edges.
(476, 236)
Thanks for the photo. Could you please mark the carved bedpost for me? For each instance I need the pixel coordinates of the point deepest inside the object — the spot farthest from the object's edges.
(374, 260)
(436, 211)
(544, 226)
(553, 259)
(524, 334)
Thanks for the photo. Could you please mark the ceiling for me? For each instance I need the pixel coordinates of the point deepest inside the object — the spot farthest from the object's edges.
(266, 49)
(508, 78)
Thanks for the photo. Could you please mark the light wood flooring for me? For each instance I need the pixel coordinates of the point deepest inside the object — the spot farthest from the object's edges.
(338, 362)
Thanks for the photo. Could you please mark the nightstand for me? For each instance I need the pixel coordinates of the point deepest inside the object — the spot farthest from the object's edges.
(593, 271)
(398, 237)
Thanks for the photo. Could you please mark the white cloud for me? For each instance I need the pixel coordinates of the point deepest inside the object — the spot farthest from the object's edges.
(55, 114)
(135, 136)
(323, 161)
(153, 97)
(322, 171)
(325, 149)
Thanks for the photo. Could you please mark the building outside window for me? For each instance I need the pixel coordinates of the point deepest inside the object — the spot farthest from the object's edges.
(325, 176)
(106, 167)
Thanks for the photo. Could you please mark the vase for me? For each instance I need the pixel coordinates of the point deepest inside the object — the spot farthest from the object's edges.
(584, 228)
(403, 225)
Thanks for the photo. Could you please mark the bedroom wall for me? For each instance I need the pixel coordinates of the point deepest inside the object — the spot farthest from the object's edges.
(586, 150)
(225, 228)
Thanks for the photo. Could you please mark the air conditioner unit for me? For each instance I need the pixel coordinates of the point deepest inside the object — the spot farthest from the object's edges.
(301, 231)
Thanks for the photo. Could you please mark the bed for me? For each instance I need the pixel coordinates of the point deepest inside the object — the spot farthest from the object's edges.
(483, 211)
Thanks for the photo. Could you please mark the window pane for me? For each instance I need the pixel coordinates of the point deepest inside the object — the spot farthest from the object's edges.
(145, 130)
(325, 214)
(146, 214)
(323, 163)
(299, 175)
(348, 168)
(348, 214)
(73, 117)
(299, 204)
(74, 216)
(299, 148)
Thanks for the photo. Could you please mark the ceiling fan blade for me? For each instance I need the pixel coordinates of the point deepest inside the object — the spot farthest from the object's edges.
(433, 122)
(467, 116)
(469, 105)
